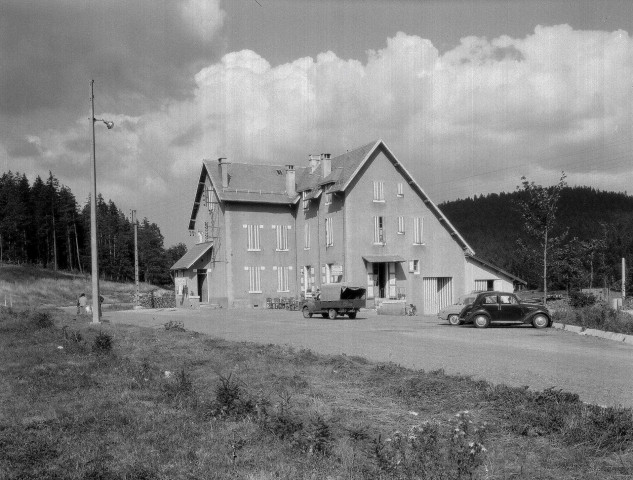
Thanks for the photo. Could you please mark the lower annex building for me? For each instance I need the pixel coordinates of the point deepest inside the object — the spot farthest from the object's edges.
(359, 218)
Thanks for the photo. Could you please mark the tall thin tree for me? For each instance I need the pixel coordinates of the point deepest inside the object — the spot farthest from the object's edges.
(538, 207)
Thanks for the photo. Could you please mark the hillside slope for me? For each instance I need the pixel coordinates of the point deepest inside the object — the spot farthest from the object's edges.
(492, 225)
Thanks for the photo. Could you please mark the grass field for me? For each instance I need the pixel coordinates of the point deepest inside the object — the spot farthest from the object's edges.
(28, 286)
(115, 402)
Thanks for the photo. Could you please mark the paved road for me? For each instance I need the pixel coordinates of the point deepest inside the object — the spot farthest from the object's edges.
(599, 370)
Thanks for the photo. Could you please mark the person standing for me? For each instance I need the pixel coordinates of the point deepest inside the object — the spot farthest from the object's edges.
(81, 304)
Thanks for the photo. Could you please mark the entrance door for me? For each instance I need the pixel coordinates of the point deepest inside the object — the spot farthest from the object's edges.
(203, 287)
(380, 278)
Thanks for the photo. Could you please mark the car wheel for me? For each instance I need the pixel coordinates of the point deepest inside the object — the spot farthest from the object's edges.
(331, 314)
(306, 313)
(481, 321)
(540, 321)
(454, 319)
(352, 315)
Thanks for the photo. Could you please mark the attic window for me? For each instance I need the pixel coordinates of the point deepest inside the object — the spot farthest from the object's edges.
(279, 172)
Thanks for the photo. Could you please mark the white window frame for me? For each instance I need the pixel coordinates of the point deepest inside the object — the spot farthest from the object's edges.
(418, 231)
(400, 190)
(253, 238)
(329, 276)
(414, 266)
(329, 232)
(328, 199)
(283, 273)
(306, 236)
(306, 203)
(379, 191)
(254, 280)
(282, 238)
(400, 225)
(379, 230)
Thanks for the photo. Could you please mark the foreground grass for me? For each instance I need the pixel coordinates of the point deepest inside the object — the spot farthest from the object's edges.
(29, 286)
(119, 402)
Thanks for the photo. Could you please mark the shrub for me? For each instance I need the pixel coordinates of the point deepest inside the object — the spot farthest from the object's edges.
(102, 343)
(579, 299)
(231, 399)
(604, 428)
(41, 320)
(317, 437)
(181, 390)
(427, 451)
(175, 325)
(600, 316)
(72, 336)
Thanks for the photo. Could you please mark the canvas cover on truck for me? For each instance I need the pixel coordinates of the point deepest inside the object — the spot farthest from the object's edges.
(337, 291)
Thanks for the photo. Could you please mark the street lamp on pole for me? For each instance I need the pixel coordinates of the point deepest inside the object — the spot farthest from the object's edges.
(96, 307)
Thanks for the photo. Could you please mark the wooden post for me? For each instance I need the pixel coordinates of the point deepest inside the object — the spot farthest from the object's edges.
(623, 281)
(137, 293)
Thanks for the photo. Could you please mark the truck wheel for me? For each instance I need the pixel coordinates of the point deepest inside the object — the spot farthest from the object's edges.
(331, 314)
(306, 313)
(352, 315)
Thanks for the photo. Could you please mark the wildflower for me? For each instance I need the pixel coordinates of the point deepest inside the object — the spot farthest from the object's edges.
(168, 374)
(413, 413)
(60, 347)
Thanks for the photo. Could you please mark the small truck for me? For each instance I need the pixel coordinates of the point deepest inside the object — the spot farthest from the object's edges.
(335, 299)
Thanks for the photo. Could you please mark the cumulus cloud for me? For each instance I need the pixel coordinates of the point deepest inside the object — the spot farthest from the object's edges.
(484, 106)
(468, 121)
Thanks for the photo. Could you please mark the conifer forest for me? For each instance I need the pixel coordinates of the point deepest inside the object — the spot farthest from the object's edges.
(43, 224)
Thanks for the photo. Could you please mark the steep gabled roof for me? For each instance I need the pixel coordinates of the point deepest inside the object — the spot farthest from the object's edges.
(352, 162)
(343, 167)
(248, 183)
(192, 256)
(491, 266)
(267, 183)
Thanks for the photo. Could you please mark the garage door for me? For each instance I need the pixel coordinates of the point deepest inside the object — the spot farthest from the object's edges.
(438, 293)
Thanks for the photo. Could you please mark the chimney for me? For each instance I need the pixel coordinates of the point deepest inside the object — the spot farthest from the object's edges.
(314, 161)
(326, 164)
(224, 170)
(291, 188)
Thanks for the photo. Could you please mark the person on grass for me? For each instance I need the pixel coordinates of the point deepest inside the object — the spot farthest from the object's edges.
(81, 304)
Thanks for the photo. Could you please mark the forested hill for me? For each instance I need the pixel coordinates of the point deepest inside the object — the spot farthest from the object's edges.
(491, 224)
(42, 224)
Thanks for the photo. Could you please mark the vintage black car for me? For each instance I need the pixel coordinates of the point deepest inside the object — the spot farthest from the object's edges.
(335, 299)
(504, 307)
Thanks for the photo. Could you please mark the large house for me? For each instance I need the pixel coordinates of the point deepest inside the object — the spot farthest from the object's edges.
(359, 218)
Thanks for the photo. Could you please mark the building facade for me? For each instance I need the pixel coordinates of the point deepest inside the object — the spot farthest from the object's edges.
(359, 218)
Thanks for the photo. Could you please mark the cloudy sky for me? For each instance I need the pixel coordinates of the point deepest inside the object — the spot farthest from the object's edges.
(470, 95)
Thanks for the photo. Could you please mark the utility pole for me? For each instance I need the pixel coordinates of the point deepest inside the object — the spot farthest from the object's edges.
(135, 223)
(94, 254)
(93, 217)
